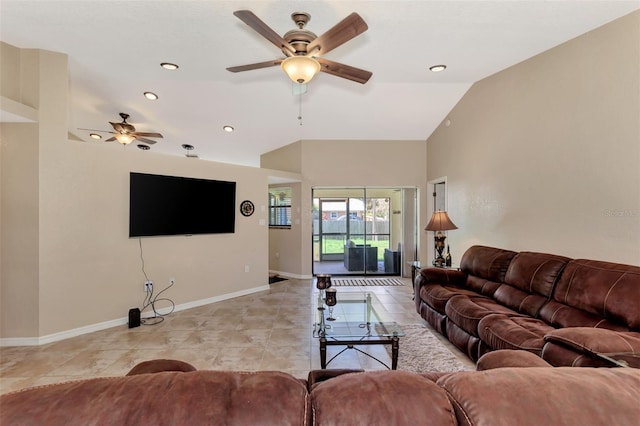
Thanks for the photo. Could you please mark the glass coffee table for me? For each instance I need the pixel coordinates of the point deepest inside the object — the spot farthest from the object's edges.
(356, 319)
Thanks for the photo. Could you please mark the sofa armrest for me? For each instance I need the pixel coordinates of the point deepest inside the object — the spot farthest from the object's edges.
(510, 358)
(599, 343)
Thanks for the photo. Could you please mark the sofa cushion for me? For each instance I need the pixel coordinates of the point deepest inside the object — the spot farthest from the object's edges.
(545, 396)
(467, 311)
(560, 315)
(602, 289)
(500, 331)
(585, 339)
(535, 273)
(482, 286)
(381, 397)
(589, 341)
(486, 262)
(520, 301)
(195, 398)
(437, 296)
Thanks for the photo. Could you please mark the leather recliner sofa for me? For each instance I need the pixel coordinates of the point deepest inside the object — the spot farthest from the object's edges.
(569, 312)
(182, 396)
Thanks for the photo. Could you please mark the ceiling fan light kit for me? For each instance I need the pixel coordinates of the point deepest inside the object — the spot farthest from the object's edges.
(124, 138)
(300, 69)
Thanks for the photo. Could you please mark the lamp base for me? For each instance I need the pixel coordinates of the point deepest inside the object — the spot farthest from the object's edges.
(438, 261)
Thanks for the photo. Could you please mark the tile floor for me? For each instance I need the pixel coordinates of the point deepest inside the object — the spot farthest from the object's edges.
(268, 330)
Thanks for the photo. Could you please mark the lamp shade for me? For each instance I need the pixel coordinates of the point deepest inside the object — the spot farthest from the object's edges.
(125, 138)
(300, 69)
(440, 222)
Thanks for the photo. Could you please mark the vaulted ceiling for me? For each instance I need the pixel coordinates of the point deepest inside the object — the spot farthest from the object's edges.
(115, 49)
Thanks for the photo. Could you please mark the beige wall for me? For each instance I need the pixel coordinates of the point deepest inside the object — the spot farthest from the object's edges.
(342, 164)
(287, 158)
(67, 261)
(545, 155)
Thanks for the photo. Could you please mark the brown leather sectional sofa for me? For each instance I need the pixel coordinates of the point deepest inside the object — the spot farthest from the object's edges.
(501, 396)
(569, 312)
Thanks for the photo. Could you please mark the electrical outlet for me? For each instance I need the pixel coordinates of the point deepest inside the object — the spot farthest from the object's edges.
(246, 268)
(148, 286)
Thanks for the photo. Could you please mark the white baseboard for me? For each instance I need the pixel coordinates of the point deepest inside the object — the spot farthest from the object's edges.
(55, 337)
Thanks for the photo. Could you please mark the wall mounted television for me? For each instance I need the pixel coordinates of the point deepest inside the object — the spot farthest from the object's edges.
(172, 205)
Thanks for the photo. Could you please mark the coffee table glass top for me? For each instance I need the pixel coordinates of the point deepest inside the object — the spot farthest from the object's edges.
(356, 315)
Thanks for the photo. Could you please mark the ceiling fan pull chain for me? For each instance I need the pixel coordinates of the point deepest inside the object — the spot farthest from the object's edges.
(300, 108)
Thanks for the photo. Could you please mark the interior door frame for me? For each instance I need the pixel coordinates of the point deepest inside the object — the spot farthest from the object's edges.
(435, 201)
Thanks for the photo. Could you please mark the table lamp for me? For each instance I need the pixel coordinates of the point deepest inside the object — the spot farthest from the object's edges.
(439, 222)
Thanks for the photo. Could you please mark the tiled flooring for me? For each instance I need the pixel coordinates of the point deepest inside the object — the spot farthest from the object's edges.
(269, 330)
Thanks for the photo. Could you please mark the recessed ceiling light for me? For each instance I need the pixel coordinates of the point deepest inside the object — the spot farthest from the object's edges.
(144, 147)
(151, 96)
(228, 129)
(438, 68)
(95, 136)
(187, 146)
(169, 66)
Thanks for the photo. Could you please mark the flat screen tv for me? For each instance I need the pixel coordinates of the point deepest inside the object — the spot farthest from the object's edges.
(172, 205)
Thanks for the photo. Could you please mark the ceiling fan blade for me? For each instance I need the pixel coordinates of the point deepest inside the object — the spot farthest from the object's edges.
(111, 139)
(147, 134)
(255, 66)
(342, 32)
(345, 71)
(264, 30)
(145, 140)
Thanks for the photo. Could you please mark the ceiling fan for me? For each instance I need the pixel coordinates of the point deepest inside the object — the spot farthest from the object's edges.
(125, 133)
(303, 49)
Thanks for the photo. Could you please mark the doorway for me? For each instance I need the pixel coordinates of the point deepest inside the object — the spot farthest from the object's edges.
(363, 231)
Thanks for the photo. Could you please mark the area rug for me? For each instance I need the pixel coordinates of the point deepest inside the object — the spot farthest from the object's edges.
(421, 351)
(365, 281)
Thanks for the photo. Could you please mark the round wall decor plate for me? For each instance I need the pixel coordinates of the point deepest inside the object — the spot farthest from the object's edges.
(247, 208)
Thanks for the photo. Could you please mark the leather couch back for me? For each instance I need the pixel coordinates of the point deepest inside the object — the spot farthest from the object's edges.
(485, 267)
(169, 398)
(545, 396)
(529, 281)
(502, 396)
(593, 293)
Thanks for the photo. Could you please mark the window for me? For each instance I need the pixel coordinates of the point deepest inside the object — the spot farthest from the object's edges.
(280, 207)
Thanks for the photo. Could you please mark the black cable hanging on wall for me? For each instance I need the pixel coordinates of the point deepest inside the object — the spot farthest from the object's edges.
(151, 301)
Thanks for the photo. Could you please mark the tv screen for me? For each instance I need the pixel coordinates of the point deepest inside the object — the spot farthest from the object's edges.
(171, 205)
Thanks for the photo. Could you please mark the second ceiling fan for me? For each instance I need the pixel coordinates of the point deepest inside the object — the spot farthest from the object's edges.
(303, 49)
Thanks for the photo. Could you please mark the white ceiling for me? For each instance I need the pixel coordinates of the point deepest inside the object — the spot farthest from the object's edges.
(115, 48)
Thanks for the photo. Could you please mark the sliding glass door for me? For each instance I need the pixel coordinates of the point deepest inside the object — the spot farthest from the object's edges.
(357, 231)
